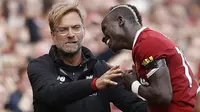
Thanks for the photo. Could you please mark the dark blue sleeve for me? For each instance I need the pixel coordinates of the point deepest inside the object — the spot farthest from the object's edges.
(50, 92)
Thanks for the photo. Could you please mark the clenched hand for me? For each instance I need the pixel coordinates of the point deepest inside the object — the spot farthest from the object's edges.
(129, 77)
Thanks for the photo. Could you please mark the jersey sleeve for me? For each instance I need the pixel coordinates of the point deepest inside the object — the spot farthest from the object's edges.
(153, 49)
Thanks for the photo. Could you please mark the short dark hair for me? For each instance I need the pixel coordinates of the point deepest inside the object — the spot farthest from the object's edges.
(127, 13)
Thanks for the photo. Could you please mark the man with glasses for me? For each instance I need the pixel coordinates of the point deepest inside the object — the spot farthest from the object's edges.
(70, 78)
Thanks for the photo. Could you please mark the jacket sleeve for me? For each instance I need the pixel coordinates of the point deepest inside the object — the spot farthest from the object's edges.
(50, 92)
(126, 100)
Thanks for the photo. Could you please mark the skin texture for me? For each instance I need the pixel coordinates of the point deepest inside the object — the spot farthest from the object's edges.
(121, 33)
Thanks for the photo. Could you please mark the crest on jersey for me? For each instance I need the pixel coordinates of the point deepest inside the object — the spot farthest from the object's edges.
(147, 60)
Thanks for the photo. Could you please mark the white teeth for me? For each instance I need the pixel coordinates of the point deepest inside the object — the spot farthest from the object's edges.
(107, 41)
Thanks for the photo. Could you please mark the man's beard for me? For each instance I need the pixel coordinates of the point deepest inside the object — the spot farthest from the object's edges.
(64, 55)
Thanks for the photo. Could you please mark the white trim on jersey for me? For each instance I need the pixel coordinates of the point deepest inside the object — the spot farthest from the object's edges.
(152, 72)
(185, 67)
(137, 35)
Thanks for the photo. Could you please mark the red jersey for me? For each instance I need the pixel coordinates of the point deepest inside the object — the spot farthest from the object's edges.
(150, 45)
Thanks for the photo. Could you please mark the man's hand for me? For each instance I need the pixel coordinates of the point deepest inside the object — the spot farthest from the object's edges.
(105, 79)
(109, 65)
(129, 77)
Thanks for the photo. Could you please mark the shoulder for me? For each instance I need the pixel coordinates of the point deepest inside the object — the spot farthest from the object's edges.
(101, 67)
(153, 45)
(152, 37)
(101, 64)
(42, 61)
(153, 41)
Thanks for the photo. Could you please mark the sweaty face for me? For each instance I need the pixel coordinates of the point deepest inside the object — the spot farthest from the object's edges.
(68, 35)
(113, 35)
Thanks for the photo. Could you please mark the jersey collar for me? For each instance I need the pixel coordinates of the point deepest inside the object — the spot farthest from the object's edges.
(137, 35)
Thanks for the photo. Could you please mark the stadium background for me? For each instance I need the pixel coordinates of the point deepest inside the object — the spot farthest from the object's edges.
(25, 35)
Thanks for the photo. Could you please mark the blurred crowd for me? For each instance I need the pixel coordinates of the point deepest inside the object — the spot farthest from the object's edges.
(25, 35)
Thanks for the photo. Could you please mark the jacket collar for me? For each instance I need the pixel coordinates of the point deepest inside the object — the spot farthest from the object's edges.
(86, 53)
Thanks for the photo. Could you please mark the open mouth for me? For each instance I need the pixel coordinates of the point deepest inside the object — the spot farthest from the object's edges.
(106, 39)
(71, 43)
(74, 42)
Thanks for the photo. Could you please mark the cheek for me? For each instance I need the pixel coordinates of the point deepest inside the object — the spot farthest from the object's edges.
(118, 42)
(80, 36)
(58, 40)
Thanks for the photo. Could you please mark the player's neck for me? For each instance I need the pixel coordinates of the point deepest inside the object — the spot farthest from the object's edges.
(135, 29)
(132, 30)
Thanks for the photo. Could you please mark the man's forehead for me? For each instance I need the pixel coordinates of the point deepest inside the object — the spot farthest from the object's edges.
(71, 22)
(103, 26)
(105, 20)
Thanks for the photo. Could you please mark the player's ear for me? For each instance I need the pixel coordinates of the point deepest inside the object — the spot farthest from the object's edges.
(120, 20)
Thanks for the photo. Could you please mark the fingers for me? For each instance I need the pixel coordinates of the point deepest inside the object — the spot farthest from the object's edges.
(126, 73)
(113, 72)
(129, 72)
(110, 82)
(118, 70)
(109, 65)
(113, 68)
(111, 76)
(106, 78)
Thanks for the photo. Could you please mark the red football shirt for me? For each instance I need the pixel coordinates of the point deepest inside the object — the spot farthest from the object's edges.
(150, 45)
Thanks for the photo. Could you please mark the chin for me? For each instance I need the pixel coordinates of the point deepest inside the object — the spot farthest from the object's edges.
(116, 47)
(72, 50)
(115, 50)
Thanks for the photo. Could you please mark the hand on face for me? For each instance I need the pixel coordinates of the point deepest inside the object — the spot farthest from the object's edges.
(106, 78)
(129, 76)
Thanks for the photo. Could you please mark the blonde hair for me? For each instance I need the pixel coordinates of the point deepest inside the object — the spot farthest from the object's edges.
(59, 10)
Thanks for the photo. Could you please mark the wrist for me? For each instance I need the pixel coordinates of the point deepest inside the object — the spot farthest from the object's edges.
(93, 84)
(135, 86)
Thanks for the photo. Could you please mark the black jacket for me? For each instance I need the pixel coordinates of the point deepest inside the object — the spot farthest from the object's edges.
(62, 88)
